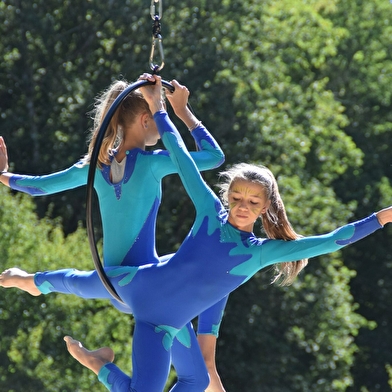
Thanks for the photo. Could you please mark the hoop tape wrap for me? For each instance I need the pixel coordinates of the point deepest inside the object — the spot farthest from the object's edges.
(91, 177)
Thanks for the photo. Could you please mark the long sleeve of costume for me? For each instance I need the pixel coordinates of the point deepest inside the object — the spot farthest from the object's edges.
(70, 178)
(196, 188)
(209, 321)
(209, 156)
(275, 251)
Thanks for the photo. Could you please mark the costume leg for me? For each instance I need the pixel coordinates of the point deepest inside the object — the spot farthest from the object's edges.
(85, 284)
(150, 362)
(114, 379)
(189, 363)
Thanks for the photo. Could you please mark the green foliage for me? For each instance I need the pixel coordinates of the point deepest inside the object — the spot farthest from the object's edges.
(33, 354)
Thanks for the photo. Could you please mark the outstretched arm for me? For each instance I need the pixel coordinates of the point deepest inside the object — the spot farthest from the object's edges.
(70, 178)
(275, 251)
(40, 185)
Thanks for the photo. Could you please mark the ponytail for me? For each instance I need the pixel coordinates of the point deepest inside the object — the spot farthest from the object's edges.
(131, 106)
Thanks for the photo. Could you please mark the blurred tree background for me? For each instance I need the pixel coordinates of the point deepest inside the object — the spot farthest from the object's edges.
(302, 86)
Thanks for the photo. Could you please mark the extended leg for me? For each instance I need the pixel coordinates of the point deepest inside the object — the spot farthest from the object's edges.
(84, 284)
(68, 281)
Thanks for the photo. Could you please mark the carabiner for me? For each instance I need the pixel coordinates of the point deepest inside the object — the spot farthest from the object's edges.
(156, 41)
(152, 9)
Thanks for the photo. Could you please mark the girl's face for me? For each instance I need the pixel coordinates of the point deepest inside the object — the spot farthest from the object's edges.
(247, 201)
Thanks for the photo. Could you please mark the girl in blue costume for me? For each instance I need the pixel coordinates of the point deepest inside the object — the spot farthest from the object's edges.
(219, 254)
(128, 176)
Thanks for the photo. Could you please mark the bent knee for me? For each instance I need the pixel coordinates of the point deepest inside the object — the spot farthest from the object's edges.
(198, 384)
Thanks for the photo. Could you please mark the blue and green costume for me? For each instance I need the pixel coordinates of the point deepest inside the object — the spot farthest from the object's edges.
(214, 259)
(129, 212)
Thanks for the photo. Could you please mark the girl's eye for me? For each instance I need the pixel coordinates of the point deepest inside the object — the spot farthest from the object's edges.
(254, 203)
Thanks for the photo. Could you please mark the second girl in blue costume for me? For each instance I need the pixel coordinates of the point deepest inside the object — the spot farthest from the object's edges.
(128, 184)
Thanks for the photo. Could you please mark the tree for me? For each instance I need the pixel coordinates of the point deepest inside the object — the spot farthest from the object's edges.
(360, 78)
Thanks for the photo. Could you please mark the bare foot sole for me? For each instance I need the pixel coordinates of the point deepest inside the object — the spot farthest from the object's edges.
(17, 278)
(93, 360)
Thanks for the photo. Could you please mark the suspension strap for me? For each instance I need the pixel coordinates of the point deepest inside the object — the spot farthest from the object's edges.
(156, 37)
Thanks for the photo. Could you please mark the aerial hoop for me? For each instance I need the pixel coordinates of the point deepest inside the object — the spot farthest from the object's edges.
(91, 176)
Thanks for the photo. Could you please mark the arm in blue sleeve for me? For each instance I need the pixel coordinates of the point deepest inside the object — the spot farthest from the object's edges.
(210, 155)
(362, 229)
(70, 178)
(275, 251)
(210, 320)
(195, 186)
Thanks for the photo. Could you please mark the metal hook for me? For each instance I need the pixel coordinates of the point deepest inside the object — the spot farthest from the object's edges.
(155, 67)
(156, 41)
(152, 9)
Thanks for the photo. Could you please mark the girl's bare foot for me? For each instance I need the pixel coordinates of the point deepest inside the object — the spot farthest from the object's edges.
(15, 277)
(93, 360)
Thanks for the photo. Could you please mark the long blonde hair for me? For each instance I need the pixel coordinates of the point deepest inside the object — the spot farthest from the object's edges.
(275, 222)
(132, 105)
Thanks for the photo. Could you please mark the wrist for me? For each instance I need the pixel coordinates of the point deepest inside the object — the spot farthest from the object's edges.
(157, 106)
(186, 116)
(182, 112)
(194, 126)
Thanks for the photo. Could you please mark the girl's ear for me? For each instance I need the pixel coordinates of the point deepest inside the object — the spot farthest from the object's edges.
(265, 208)
(144, 120)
